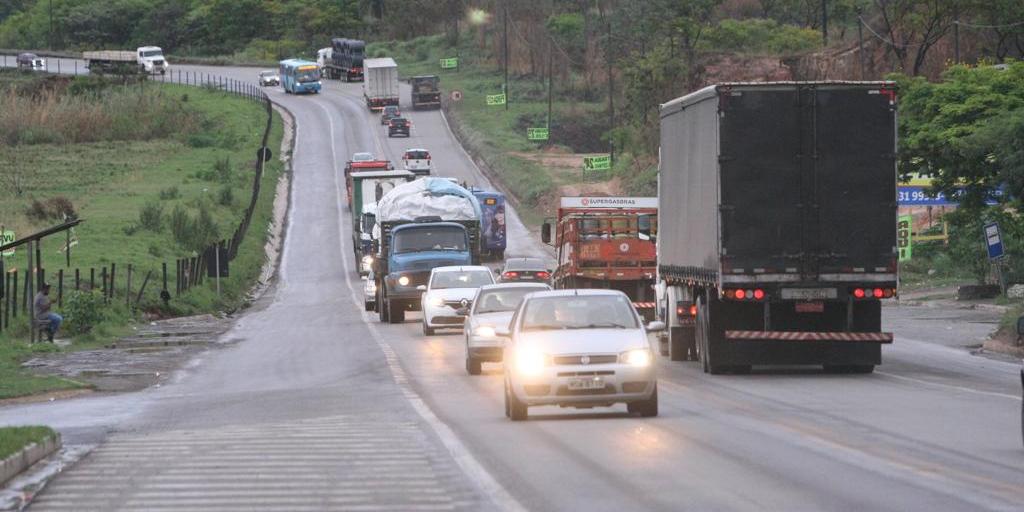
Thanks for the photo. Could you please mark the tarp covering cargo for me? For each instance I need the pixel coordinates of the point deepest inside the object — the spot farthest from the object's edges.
(427, 197)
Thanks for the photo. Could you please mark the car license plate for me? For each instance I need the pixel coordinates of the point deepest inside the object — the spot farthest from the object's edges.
(810, 307)
(579, 384)
(809, 293)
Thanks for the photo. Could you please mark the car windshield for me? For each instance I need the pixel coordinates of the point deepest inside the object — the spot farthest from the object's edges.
(430, 239)
(460, 279)
(579, 312)
(416, 155)
(369, 220)
(525, 264)
(153, 53)
(267, 73)
(362, 157)
(391, 111)
(398, 120)
(501, 300)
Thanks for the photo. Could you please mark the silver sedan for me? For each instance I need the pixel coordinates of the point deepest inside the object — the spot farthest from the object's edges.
(579, 348)
(492, 307)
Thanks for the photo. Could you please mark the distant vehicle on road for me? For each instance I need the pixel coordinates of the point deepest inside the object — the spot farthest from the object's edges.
(492, 222)
(30, 62)
(399, 126)
(145, 59)
(362, 165)
(323, 59)
(417, 160)
(579, 348)
(530, 270)
(448, 295)
(380, 83)
(345, 60)
(388, 113)
(369, 293)
(268, 78)
(426, 92)
(300, 76)
(492, 307)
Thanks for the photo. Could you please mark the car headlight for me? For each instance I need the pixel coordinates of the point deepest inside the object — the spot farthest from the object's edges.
(640, 357)
(435, 301)
(484, 331)
(530, 361)
(404, 281)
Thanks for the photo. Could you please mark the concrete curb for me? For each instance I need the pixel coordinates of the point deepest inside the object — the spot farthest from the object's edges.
(27, 456)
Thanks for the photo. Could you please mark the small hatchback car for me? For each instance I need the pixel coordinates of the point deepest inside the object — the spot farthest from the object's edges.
(492, 307)
(579, 348)
(449, 293)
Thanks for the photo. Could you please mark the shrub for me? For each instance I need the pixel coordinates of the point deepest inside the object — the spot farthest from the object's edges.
(180, 224)
(760, 36)
(222, 168)
(151, 216)
(83, 310)
(170, 193)
(54, 208)
(226, 196)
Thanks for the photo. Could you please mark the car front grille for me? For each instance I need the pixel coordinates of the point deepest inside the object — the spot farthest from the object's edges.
(590, 359)
(565, 391)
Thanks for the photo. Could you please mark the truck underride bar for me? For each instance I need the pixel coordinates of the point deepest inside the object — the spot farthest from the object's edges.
(869, 337)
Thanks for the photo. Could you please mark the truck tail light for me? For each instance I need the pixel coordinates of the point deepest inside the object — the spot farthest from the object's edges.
(873, 293)
(745, 294)
(858, 293)
(878, 293)
(686, 311)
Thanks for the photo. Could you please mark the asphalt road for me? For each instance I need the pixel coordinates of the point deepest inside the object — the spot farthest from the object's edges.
(319, 406)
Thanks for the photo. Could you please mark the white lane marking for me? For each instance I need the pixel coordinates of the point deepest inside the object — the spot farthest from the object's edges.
(463, 457)
(949, 386)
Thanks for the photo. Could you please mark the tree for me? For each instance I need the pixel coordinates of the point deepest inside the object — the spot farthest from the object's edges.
(913, 27)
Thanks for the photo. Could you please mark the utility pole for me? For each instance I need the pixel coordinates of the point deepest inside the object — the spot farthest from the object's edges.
(611, 93)
(860, 43)
(956, 41)
(506, 55)
(551, 58)
(824, 22)
(49, 38)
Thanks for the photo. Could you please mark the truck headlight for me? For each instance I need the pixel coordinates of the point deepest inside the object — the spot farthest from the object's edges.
(640, 358)
(530, 361)
(404, 281)
(484, 331)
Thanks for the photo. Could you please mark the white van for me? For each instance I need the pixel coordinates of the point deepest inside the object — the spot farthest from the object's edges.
(417, 160)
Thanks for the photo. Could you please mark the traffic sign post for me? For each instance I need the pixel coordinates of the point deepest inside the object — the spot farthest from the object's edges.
(994, 241)
(495, 100)
(537, 133)
(450, 63)
(7, 237)
(904, 243)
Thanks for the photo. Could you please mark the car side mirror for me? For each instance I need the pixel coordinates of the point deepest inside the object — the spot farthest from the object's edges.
(545, 233)
(502, 332)
(422, 287)
(655, 326)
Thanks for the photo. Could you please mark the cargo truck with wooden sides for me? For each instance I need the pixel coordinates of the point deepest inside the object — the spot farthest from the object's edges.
(777, 241)
(606, 242)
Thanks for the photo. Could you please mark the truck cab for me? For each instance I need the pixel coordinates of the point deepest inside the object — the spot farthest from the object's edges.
(426, 91)
(414, 249)
(607, 242)
(369, 188)
(151, 60)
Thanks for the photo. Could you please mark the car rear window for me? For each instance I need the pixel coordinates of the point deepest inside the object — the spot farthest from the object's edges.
(416, 155)
(525, 264)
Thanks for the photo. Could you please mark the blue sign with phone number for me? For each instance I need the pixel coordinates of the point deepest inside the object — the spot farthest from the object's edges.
(919, 196)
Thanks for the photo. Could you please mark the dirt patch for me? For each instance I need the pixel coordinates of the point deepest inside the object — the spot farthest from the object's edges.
(1004, 341)
(45, 397)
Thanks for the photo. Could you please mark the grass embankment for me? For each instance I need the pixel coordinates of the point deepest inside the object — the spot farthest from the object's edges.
(157, 171)
(497, 135)
(13, 439)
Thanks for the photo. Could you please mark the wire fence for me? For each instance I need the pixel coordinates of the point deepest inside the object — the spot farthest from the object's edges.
(116, 282)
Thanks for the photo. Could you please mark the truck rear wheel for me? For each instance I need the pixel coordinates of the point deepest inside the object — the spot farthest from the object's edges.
(708, 338)
(382, 308)
(682, 344)
(396, 314)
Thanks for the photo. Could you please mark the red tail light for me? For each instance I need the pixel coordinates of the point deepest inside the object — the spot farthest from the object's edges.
(686, 310)
(543, 275)
(758, 294)
(889, 293)
(858, 293)
(878, 293)
(510, 275)
(740, 294)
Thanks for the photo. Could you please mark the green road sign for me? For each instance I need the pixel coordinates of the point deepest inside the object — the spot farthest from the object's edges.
(904, 226)
(450, 63)
(495, 99)
(7, 237)
(537, 133)
(597, 163)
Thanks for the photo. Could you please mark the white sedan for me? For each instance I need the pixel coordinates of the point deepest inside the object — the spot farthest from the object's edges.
(579, 348)
(369, 293)
(492, 307)
(449, 290)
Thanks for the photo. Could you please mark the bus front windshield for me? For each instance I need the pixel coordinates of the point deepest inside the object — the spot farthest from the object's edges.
(307, 75)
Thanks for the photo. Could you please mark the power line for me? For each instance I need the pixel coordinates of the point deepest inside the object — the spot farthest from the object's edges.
(974, 25)
(884, 39)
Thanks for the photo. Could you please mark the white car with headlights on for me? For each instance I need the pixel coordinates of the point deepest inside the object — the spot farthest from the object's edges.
(579, 348)
(449, 291)
(369, 293)
(492, 307)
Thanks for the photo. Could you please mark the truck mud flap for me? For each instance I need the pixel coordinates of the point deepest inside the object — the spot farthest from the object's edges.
(647, 310)
(852, 337)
